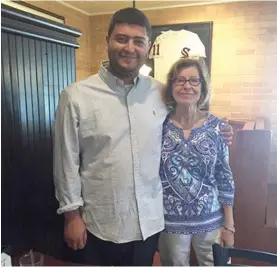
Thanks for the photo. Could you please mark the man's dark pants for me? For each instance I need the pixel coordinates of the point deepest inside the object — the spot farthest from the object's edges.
(105, 253)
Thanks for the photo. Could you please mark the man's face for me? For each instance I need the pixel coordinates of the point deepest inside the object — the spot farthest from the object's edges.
(128, 48)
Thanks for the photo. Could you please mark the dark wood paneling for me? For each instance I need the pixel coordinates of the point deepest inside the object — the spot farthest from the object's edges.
(55, 74)
(271, 208)
(250, 169)
(33, 74)
(23, 23)
(38, 61)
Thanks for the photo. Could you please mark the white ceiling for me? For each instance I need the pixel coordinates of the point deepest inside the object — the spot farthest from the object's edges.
(108, 7)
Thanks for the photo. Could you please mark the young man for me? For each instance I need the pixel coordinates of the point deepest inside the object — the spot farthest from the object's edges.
(107, 153)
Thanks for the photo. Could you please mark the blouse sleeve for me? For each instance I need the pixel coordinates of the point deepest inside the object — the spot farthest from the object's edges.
(223, 175)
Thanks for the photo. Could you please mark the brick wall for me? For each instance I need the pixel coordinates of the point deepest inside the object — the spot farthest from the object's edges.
(100, 26)
(244, 54)
(81, 22)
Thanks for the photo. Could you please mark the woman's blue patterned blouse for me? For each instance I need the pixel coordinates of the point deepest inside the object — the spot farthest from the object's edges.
(196, 177)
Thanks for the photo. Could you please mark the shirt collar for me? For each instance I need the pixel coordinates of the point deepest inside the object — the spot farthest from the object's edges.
(112, 80)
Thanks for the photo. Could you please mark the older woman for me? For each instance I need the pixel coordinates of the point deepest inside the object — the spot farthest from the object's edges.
(196, 177)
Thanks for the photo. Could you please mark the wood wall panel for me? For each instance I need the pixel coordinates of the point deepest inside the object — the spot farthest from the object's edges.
(33, 74)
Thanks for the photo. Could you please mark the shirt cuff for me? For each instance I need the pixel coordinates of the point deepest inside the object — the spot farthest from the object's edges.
(70, 207)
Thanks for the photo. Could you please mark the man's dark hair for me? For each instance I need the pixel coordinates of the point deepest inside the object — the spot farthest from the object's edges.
(131, 16)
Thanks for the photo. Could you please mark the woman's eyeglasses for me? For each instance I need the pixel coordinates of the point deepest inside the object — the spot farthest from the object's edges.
(193, 81)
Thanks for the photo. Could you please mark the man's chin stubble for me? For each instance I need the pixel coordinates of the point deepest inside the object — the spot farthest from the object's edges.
(124, 72)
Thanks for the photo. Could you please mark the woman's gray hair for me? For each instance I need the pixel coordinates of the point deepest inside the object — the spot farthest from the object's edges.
(183, 63)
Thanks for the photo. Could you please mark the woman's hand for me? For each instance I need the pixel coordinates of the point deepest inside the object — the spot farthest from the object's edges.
(226, 131)
(227, 238)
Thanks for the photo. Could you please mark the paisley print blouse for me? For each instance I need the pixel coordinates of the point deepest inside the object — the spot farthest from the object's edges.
(196, 177)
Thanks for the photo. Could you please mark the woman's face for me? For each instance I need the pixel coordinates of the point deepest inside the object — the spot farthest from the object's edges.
(187, 87)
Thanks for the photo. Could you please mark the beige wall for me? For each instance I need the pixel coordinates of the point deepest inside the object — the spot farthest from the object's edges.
(244, 51)
(244, 54)
(100, 26)
(81, 22)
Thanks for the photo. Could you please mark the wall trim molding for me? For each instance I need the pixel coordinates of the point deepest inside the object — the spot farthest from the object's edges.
(209, 2)
(73, 7)
(26, 24)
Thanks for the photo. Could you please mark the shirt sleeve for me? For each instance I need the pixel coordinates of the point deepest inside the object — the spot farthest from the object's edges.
(223, 175)
(66, 155)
